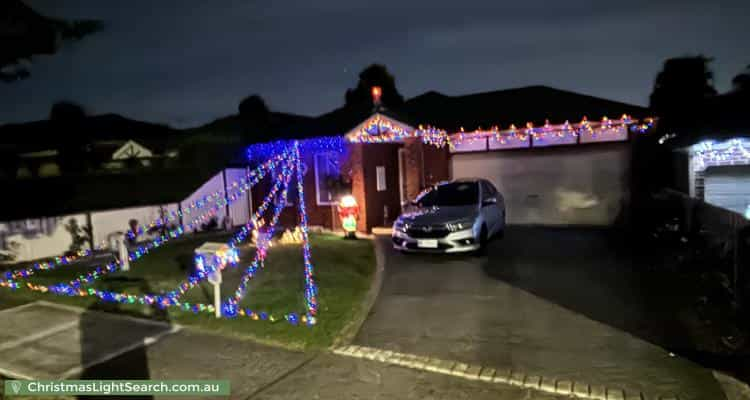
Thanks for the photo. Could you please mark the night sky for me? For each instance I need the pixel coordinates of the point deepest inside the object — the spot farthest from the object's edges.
(187, 62)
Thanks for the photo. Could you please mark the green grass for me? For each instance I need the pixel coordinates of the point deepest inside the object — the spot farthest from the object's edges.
(343, 272)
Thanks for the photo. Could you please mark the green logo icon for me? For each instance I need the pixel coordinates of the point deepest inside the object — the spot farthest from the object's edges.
(16, 386)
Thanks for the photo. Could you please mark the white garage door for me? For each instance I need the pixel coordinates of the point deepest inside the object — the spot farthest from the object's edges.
(728, 187)
(554, 186)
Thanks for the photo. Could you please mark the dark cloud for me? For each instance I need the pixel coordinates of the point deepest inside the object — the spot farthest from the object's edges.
(187, 62)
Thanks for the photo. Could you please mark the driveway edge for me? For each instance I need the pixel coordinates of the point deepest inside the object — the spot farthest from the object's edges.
(733, 388)
(351, 330)
(504, 376)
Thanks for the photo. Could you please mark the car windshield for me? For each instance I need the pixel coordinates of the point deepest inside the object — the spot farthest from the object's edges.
(451, 194)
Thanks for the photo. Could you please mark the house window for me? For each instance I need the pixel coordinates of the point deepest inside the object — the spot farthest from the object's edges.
(326, 170)
(380, 178)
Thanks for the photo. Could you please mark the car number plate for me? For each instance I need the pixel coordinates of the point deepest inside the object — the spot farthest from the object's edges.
(428, 243)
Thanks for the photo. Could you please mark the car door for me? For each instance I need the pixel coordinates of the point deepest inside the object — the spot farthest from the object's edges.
(490, 210)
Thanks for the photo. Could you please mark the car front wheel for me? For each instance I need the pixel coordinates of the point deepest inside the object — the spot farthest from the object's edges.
(483, 239)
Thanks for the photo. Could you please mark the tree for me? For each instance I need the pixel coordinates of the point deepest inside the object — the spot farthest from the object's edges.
(68, 123)
(67, 113)
(374, 75)
(682, 87)
(255, 117)
(253, 108)
(741, 82)
(27, 33)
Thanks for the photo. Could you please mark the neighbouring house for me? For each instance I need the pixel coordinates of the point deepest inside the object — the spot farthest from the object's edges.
(98, 143)
(713, 154)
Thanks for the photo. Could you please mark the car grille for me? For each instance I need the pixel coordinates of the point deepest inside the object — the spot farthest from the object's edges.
(427, 232)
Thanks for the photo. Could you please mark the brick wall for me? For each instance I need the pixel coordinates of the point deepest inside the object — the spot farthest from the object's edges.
(317, 215)
(414, 167)
(425, 165)
(436, 164)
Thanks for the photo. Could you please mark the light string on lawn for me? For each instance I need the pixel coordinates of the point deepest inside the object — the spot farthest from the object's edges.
(308, 319)
(311, 291)
(202, 274)
(74, 288)
(161, 300)
(293, 163)
(230, 306)
(253, 176)
(256, 175)
(244, 185)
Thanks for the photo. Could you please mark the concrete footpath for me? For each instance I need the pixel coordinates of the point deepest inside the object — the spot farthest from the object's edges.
(49, 341)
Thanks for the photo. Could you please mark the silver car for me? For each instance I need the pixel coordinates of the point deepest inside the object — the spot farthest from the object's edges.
(450, 217)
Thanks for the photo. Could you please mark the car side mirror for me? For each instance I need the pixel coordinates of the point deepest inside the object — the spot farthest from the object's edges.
(489, 201)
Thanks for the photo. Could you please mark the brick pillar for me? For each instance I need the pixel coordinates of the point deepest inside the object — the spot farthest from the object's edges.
(414, 175)
(436, 164)
(356, 157)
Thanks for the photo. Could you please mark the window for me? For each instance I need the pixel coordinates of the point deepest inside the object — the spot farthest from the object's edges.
(488, 191)
(326, 171)
(380, 178)
(451, 195)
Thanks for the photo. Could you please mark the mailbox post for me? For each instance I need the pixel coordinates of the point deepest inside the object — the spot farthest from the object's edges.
(214, 257)
(124, 254)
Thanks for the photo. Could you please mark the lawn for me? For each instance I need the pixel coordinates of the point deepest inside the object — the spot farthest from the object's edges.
(343, 272)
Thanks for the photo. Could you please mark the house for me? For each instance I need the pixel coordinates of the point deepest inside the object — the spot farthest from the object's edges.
(564, 162)
(559, 158)
(97, 143)
(713, 154)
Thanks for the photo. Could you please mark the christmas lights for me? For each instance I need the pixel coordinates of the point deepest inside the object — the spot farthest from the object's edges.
(256, 176)
(243, 185)
(311, 291)
(606, 127)
(164, 300)
(379, 129)
(730, 152)
(293, 163)
(193, 280)
(262, 246)
(321, 144)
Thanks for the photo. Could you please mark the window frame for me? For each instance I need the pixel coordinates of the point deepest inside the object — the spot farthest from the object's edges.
(316, 157)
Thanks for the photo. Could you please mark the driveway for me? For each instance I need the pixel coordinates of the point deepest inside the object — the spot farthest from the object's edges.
(565, 303)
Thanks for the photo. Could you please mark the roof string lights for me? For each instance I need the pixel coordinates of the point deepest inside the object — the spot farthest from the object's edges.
(379, 129)
(730, 152)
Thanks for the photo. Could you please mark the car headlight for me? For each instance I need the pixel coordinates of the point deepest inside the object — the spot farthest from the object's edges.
(459, 226)
(400, 226)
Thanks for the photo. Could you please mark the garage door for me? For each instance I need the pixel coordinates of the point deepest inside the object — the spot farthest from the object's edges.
(554, 186)
(728, 187)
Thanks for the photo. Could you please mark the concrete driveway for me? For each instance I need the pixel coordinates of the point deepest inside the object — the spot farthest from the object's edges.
(561, 303)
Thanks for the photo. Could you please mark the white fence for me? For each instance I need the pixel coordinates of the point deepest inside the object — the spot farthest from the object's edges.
(36, 238)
